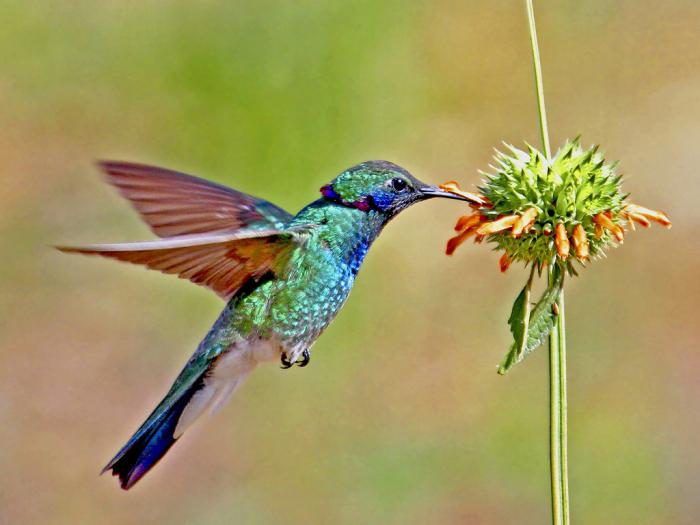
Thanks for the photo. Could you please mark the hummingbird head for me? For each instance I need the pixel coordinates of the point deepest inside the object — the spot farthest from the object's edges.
(380, 186)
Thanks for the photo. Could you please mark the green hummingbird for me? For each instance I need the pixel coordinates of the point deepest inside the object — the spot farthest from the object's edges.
(284, 277)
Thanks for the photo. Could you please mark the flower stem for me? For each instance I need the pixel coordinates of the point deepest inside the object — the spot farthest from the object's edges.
(558, 452)
(564, 409)
(557, 339)
(539, 89)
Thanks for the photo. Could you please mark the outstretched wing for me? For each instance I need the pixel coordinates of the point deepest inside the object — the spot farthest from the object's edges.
(173, 203)
(221, 262)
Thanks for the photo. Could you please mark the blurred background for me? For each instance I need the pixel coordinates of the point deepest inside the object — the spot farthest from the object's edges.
(401, 418)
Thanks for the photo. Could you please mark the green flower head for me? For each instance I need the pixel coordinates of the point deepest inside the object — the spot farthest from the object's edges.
(540, 211)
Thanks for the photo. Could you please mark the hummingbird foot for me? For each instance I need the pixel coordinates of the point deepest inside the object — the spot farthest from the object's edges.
(286, 363)
(305, 358)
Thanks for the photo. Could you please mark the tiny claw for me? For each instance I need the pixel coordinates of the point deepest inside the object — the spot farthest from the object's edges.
(286, 363)
(305, 358)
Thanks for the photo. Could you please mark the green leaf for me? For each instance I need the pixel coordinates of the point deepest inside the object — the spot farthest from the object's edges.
(519, 319)
(540, 322)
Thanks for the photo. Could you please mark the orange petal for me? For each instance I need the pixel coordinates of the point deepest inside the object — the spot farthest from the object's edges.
(453, 187)
(561, 240)
(466, 222)
(524, 222)
(580, 242)
(598, 230)
(654, 215)
(455, 241)
(498, 225)
(619, 233)
(504, 262)
(603, 221)
(641, 219)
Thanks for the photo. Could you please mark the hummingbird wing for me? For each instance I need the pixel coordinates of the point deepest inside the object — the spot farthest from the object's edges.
(173, 203)
(221, 262)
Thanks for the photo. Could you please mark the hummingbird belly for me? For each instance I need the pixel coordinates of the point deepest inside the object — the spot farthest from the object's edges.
(228, 372)
(306, 303)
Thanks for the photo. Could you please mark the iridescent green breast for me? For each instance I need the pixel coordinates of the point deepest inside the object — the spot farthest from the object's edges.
(322, 272)
(297, 307)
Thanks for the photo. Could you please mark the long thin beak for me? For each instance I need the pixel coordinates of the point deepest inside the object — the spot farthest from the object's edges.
(433, 191)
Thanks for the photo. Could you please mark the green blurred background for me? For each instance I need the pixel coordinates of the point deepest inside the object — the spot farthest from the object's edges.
(401, 419)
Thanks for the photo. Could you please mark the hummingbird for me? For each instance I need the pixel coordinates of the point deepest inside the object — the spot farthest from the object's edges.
(284, 277)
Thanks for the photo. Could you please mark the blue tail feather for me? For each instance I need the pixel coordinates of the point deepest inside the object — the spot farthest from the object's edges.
(152, 440)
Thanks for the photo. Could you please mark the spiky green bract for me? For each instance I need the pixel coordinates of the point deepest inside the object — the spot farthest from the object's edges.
(572, 188)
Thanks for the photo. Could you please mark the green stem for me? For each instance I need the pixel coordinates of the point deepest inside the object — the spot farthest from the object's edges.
(564, 409)
(539, 89)
(558, 454)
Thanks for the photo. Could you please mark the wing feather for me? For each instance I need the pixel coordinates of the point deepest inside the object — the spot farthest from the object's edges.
(221, 262)
(175, 204)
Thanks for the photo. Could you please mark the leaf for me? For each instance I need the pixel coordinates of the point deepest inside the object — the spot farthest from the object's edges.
(519, 319)
(540, 322)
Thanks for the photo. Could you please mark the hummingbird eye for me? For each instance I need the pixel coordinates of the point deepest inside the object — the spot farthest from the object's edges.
(398, 184)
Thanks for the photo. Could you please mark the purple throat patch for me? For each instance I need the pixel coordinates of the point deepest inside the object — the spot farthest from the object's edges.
(329, 193)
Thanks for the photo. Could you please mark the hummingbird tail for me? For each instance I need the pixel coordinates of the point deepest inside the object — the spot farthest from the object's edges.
(153, 439)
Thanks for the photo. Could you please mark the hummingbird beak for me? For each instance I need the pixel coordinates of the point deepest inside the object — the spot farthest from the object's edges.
(428, 192)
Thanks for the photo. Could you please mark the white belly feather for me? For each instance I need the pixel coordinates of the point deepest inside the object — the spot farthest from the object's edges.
(229, 372)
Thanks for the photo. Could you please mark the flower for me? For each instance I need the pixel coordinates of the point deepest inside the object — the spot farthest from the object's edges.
(453, 187)
(603, 221)
(524, 222)
(561, 241)
(580, 242)
(536, 210)
(643, 215)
